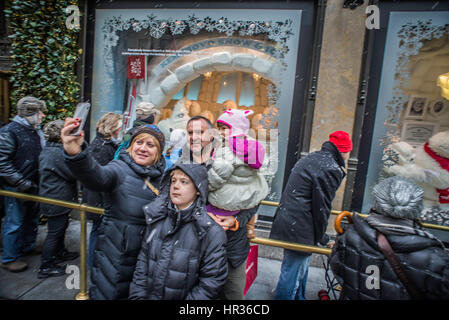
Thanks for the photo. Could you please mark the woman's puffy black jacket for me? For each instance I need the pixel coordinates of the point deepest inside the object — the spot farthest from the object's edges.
(356, 256)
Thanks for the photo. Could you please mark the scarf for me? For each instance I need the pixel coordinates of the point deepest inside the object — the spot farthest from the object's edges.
(444, 163)
(250, 152)
(394, 226)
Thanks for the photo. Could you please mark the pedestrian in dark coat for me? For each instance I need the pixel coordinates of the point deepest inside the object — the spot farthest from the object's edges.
(128, 184)
(183, 253)
(55, 181)
(21, 142)
(305, 207)
(395, 214)
(102, 149)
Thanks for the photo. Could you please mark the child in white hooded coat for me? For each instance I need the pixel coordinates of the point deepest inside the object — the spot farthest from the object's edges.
(235, 182)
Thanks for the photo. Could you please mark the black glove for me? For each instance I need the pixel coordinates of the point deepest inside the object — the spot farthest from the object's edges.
(27, 186)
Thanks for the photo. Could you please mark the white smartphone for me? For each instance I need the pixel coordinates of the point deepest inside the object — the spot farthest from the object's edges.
(81, 112)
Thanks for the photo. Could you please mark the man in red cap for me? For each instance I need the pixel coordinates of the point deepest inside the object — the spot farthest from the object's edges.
(304, 210)
(343, 143)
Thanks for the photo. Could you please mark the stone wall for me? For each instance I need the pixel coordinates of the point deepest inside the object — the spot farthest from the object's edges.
(341, 56)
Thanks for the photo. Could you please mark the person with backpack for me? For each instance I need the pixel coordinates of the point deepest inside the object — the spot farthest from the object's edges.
(389, 255)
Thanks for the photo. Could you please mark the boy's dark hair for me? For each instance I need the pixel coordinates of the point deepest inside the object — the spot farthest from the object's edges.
(200, 118)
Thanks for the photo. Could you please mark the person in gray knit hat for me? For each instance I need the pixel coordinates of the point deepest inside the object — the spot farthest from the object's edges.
(398, 197)
(424, 259)
(21, 142)
(32, 109)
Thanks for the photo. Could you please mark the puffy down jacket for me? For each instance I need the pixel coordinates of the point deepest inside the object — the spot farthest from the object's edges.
(183, 254)
(123, 226)
(423, 259)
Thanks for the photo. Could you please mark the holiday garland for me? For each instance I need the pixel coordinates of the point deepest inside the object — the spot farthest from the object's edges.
(44, 51)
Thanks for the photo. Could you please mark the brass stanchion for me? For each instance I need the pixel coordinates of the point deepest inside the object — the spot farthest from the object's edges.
(291, 246)
(337, 212)
(269, 203)
(83, 294)
(83, 208)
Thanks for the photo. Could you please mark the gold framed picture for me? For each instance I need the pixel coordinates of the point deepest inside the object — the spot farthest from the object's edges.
(438, 107)
(416, 108)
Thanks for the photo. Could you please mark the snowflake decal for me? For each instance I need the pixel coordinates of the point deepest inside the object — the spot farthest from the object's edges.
(136, 67)
(195, 24)
(411, 37)
(111, 40)
(277, 31)
(177, 27)
(390, 158)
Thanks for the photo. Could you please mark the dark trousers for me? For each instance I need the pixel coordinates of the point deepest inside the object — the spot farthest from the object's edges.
(54, 243)
(235, 282)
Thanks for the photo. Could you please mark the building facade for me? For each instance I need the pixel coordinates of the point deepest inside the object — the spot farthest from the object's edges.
(5, 66)
(305, 68)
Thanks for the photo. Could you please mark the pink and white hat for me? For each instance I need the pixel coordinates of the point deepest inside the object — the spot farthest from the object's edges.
(237, 121)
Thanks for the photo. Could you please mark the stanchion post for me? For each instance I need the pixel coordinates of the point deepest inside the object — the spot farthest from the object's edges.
(83, 294)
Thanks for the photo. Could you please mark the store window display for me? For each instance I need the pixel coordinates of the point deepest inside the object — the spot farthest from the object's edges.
(202, 62)
(411, 130)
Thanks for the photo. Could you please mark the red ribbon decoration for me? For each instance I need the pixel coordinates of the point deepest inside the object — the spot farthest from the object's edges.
(444, 163)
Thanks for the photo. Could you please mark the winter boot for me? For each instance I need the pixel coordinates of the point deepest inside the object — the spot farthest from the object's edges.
(65, 256)
(50, 270)
(15, 266)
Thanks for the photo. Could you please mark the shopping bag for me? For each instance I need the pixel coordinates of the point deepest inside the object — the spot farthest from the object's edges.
(251, 267)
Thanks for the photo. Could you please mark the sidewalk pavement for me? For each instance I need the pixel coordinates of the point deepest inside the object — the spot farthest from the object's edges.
(26, 286)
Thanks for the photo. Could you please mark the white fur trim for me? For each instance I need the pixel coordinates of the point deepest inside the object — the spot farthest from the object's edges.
(439, 143)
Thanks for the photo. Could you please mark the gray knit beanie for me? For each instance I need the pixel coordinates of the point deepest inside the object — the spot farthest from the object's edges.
(28, 106)
(398, 197)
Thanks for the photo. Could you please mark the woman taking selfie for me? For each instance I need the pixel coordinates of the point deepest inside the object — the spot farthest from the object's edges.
(128, 184)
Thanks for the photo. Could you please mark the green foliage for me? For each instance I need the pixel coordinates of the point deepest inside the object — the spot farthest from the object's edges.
(44, 51)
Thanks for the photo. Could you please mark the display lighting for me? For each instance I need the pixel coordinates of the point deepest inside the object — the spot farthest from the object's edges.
(443, 82)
